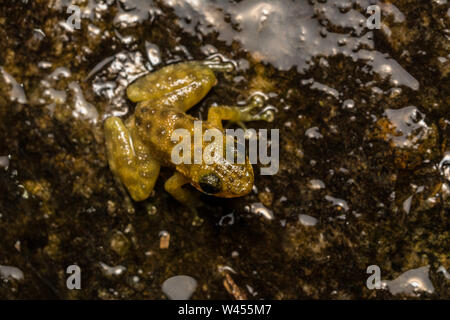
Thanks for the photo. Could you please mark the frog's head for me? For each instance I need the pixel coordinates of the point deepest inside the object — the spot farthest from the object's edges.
(223, 179)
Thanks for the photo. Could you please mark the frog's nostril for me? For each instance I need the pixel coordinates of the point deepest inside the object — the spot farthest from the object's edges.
(210, 183)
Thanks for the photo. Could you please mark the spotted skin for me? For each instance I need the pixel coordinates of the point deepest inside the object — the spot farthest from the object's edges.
(138, 147)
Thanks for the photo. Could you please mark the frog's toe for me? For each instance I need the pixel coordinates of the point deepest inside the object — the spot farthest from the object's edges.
(257, 101)
(267, 115)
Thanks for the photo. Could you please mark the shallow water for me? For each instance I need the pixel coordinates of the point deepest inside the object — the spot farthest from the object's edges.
(364, 151)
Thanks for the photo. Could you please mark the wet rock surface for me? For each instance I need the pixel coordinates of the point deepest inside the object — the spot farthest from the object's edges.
(364, 142)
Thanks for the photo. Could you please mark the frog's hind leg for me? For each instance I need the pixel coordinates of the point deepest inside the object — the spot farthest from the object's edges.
(179, 86)
(239, 115)
(129, 159)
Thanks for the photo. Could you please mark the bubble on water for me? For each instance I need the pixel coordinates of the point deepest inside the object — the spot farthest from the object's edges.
(94, 30)
(58, 96)
(313, 133)
(9, 272)
(444, 272)
(44, 64)
(348, 104)
(338, 202)
(223, 268)
(410, 125)
(38, 36)
(227, 220)
(259, 209)
(112, 75)
(316, 184)
(133, 12)
(112, 271)
(153, 53)
(444, 166)
(407, 204)
(82, 108)
(4, 162)
(411, 282)
(179, 287)
(16, 91)
(392, 10)
(307, 220)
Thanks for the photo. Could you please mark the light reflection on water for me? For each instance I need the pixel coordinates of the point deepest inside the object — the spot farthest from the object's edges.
(290, 34)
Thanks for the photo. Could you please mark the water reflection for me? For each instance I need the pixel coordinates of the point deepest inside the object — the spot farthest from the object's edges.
(290, 34)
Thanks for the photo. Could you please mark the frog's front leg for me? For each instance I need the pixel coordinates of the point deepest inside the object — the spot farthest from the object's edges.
(129, 159)
(239, 115)
(174, 186)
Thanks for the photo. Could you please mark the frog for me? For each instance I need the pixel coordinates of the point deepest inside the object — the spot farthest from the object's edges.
(140, 145)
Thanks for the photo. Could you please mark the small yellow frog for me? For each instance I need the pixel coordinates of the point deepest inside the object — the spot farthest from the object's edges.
(137, 148)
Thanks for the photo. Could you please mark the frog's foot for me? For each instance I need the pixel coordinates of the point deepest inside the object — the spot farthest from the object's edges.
(239, 115)
(218, 62)
(174, 186)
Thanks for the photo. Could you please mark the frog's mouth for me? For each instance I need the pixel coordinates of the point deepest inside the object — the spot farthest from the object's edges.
(221, 193)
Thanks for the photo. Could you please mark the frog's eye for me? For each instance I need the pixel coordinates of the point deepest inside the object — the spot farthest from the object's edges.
(210, 183)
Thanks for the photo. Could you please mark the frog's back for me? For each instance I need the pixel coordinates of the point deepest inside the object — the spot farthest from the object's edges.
(156, 124)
